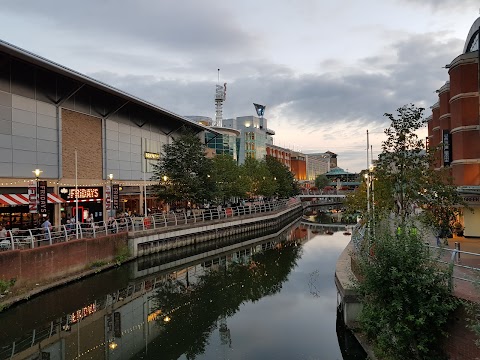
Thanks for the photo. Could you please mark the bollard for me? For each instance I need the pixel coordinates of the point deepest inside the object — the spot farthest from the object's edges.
(457, 247)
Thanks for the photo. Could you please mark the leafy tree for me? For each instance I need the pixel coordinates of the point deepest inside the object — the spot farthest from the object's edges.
(258, 178)
(405, 295)
(321, 181)
(184, 172)
(227, 179)
(405, 178)
(286, 185)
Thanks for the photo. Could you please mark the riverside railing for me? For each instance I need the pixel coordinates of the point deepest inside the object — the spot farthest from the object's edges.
(465, 264)
(32, 238)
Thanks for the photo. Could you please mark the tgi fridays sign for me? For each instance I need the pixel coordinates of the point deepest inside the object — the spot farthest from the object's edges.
(70, 194)
(42, 197)
(32, 197)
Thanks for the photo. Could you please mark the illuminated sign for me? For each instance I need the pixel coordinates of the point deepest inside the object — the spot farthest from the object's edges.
(81, 313)
(71, 193)
(42, 197)
(471, 199)
(153, 316)
(151, 156)
(447, 148)
(115, 196)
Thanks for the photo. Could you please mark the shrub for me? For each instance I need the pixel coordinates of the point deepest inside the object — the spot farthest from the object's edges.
(406, 297)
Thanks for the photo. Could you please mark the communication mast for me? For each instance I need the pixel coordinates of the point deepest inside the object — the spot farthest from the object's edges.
(220, 96)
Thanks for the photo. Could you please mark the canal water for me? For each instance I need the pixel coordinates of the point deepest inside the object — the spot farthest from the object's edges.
(269, 298)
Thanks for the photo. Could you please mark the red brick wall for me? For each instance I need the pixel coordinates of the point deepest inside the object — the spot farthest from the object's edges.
(460, 344)
(463, 79)
(58, 260)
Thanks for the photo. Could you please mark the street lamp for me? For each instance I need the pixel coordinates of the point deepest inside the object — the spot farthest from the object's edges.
(110, 176)
(37, 173)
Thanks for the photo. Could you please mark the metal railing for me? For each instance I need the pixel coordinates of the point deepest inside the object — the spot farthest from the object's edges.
(465, 264)
(32, 238)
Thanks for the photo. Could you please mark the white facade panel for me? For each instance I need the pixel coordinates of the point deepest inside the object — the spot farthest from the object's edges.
(47, 146)
(46, 134)
(23, 103)
(46, 109)
(24, 143)
(6, 155)
(6, 169)
(24, 117)
(5, 141)
(25, 157)
(24, 130)
(46, 121)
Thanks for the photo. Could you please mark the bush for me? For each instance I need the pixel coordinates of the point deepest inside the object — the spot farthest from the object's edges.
(406, 297)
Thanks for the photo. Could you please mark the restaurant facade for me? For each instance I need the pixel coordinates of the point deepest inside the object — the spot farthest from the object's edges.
(93, 145)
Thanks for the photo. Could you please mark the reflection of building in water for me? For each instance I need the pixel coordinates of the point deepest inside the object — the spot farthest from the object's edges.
(123, 323)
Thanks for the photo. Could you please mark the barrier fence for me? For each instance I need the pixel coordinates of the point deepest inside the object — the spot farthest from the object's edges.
(465, 264)
(32, 238)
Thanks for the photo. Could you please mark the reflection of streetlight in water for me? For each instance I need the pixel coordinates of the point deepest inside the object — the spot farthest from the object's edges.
(113, 345)
(167, 319)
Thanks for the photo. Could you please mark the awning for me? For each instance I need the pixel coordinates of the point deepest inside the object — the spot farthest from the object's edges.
(22, 199)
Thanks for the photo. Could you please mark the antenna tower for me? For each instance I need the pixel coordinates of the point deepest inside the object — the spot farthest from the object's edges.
(220, 96)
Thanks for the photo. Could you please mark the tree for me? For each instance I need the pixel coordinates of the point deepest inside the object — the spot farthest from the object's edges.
(184, 172)
(321, 181)
(227, 179)
(405, 177)
(258, 178)
(405, 295)
(286, 185)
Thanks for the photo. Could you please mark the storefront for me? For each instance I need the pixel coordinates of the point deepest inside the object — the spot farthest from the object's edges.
(90, 201)
(15, 210)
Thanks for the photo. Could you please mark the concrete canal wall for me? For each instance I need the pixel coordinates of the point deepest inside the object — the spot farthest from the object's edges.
(150, 241)
(39, 269)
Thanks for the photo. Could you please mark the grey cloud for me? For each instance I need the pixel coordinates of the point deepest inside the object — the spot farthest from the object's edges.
(444, 5)
(187, 25)
(409, 72)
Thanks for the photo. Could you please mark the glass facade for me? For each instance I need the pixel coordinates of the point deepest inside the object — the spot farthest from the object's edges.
(223, 144)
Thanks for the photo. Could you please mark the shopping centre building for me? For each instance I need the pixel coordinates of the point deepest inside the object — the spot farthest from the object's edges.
(76, 131)
(454, 126)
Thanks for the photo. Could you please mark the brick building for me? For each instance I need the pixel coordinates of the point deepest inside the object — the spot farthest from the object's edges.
(454, 125)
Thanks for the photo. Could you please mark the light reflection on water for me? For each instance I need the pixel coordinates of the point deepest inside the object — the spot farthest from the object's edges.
(249, 304)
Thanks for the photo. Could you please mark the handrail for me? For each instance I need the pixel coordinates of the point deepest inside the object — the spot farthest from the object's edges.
(32, 238)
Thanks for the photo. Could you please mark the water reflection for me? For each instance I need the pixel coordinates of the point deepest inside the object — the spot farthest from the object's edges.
(255, 299)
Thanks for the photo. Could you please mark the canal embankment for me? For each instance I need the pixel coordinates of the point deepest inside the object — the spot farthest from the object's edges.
(33, 271)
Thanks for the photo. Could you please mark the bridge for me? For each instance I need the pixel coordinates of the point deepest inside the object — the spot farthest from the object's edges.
(322, 196)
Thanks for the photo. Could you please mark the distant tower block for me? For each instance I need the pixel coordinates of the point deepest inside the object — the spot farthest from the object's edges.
(220, 95)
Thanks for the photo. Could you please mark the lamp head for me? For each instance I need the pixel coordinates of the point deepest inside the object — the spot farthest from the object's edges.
(110, 176)
(37, 172)
(165, 178)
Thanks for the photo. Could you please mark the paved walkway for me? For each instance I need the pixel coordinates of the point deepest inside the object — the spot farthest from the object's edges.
(466, 281)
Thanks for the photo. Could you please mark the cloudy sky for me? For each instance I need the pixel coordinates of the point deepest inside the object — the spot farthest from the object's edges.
(327, 70)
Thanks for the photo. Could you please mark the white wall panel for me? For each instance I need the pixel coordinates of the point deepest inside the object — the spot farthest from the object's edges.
(23, 103)
(24, 143)
(24, 117)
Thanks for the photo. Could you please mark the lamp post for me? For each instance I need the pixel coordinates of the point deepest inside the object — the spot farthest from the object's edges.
(165, 178)
(110, 176)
